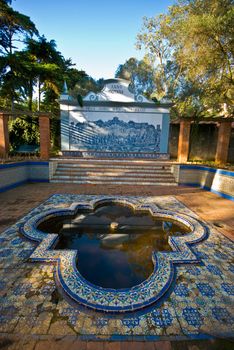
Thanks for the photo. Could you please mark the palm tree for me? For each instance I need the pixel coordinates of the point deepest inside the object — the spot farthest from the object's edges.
(49, 65)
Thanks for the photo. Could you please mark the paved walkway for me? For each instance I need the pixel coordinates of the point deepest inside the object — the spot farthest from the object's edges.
(16, 203)
(212, 208)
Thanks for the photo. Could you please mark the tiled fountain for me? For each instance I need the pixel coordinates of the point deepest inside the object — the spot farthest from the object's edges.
(188, 294)
(113, 300)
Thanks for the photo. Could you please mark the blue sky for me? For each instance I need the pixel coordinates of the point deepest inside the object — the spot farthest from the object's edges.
(97, 34)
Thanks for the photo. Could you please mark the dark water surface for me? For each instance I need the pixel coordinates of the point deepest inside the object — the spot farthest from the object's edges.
(114, 243)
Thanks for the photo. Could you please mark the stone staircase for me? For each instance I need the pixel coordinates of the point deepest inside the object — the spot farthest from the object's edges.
(113, 171)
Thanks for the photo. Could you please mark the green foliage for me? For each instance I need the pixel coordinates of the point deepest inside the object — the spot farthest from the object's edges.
(158, 56)
(79, 83)
(39, 68)
(22, 131)
(191, 49)
(47, 68)
(14, 27)
(140, 73)
(80, 100)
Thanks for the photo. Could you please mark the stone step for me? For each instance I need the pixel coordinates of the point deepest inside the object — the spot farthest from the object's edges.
(112, 175)
(110, 178)
(111, 182)
(111, 160)
(113, 171)
(98, 166)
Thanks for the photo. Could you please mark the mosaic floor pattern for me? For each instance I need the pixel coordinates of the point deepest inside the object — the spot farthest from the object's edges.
(198, 302)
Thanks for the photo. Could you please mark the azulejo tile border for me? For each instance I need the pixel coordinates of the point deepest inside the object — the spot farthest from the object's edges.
(117, 155)
(110, 300)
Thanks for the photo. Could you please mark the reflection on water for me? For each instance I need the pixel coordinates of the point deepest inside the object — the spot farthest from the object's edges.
(114, 243)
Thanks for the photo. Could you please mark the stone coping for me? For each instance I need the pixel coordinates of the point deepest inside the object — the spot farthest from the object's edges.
(209, 169)
(23, 163)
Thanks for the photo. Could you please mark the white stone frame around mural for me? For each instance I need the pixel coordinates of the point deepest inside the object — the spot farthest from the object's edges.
(114, 123)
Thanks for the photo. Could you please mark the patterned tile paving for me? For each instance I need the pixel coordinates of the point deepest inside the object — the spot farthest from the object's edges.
(198, 302)
(148, 292)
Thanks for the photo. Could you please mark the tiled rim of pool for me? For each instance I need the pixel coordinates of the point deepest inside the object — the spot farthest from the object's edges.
(113, 300)
(199, 303)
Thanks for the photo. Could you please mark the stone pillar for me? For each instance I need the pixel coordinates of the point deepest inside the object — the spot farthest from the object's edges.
(44, 125)
(223, 142)
(183, 145)
(4, 135)
(165, 133)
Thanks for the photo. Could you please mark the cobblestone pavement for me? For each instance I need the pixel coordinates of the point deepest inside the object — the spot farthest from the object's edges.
(34, 315)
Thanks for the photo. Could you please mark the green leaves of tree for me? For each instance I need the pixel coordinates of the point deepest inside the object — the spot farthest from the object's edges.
(38, 68)
(12, 24)
(197, 37)
(140, 73)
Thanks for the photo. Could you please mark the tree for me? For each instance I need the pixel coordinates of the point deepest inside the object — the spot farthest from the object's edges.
(48, 66)
(158, 56)
(139, 73)
(199, 37)
(209, 42)
(38, 67)
(23, 131)
(83, 83)
(14, 27)
(12, 80)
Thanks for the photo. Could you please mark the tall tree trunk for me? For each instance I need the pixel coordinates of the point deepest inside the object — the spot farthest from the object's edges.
(11, 51)
(39, 95)
(12, 101)
(30, 95)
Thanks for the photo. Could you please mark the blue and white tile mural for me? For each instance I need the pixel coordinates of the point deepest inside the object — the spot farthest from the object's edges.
(115, 135)
(114, 120)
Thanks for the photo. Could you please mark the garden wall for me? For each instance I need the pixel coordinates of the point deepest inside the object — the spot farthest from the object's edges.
(203, 142)
(16, 174)
(218, 181)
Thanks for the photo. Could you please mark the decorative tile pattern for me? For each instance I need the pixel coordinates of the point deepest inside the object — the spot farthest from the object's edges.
(222, 315)
(116, 155)
(2, 285)
(181, 290)
(131, 322)
(162, 318)
(192, 316)
(22, 289)
(215, 270)
(220, 255)
(228, 288)
(5, 253)
(206, 290)
(104, 136)
(187, 310)
(110, 300)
